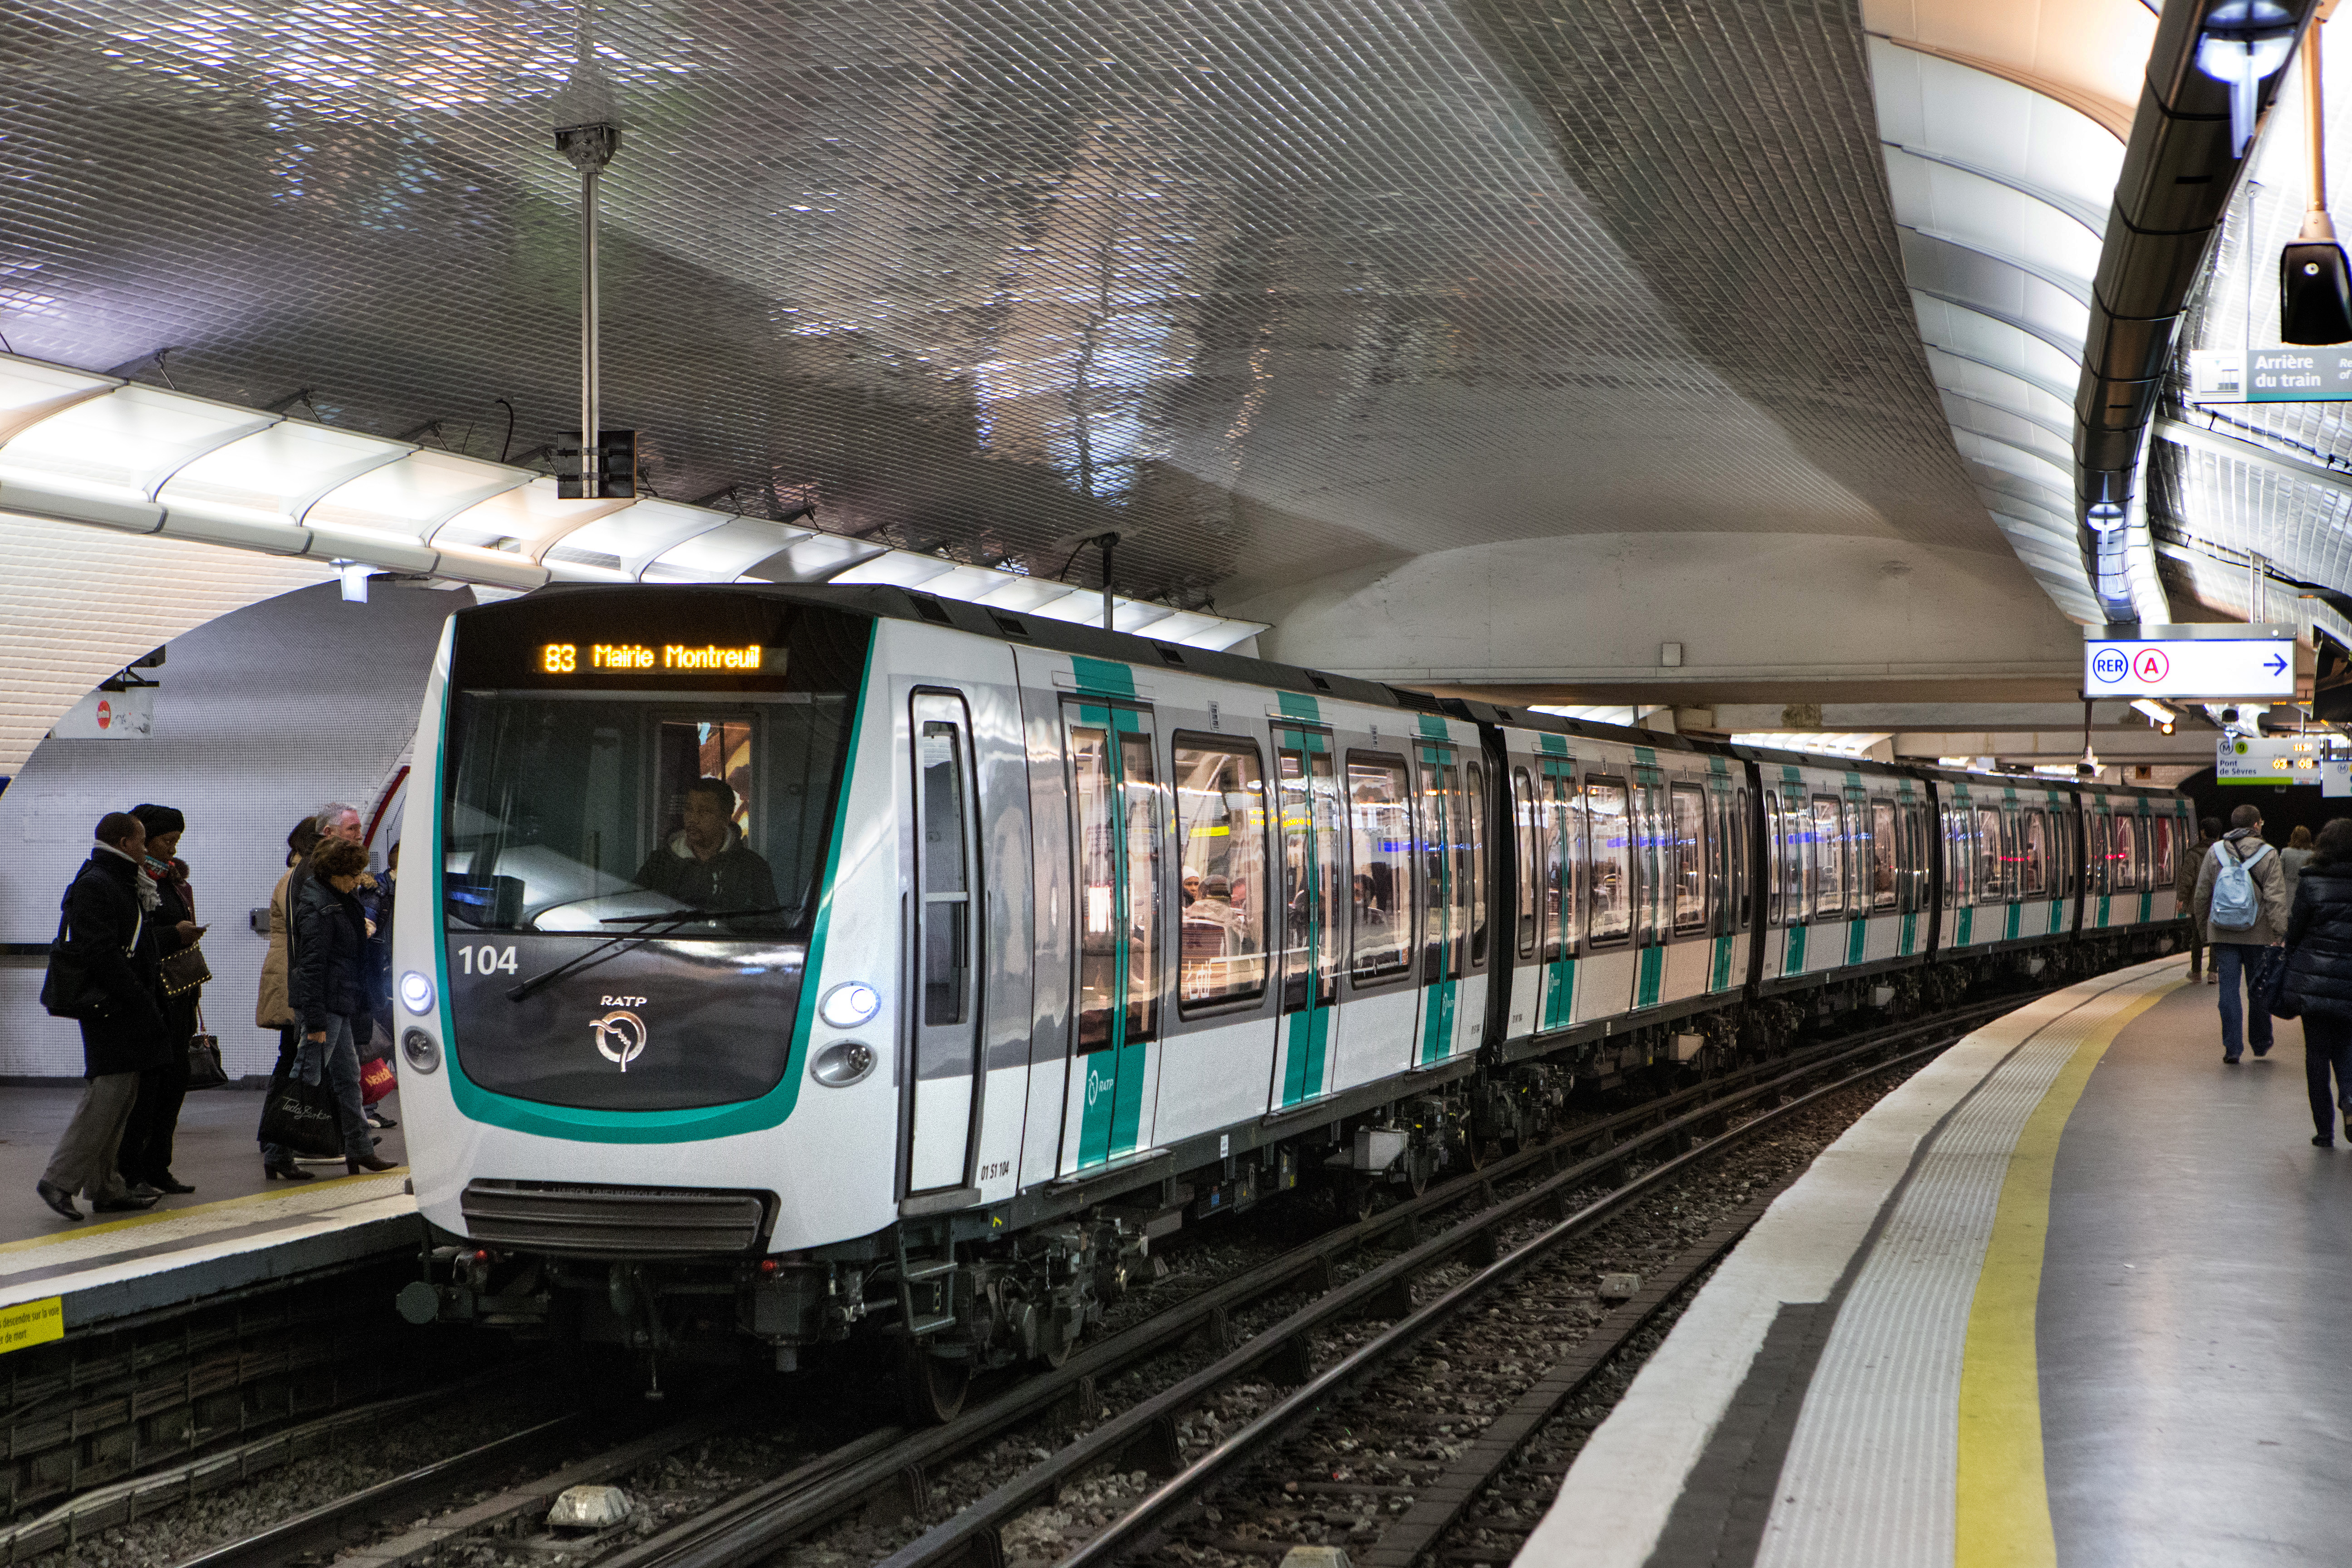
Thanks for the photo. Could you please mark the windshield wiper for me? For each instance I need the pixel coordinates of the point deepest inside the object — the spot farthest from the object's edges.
(651, 927)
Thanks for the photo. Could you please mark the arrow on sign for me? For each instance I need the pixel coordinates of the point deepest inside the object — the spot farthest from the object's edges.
(2275, 665)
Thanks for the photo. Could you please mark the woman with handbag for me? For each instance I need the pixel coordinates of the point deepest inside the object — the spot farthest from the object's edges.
(2317, 985)
(146, 1153)
(328, 990)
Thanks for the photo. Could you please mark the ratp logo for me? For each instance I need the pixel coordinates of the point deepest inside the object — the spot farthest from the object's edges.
(2110, 665)
(620, 1037)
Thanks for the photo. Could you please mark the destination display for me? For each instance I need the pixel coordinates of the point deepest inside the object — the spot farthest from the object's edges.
(2191, 661)
(630, 657)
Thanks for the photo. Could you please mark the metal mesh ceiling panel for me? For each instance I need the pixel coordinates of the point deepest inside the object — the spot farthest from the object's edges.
(1269, 287)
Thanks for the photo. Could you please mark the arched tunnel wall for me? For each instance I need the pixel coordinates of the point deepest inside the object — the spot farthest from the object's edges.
(265, 713)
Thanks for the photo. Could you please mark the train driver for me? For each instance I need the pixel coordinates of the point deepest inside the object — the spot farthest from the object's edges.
(706, 864)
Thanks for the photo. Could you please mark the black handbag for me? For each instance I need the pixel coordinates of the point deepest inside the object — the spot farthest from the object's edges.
(301, 1117)
(204, 1069)
(67, 989)
(2270, 985)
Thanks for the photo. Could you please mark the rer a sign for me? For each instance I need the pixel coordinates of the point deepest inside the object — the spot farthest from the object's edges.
(2221, 661)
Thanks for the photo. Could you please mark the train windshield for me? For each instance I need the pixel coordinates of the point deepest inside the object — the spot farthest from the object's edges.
(619, 794)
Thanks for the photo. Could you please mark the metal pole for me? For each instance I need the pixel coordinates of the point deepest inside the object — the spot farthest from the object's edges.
(2315, 222)
(1109, 608)
(589, 148)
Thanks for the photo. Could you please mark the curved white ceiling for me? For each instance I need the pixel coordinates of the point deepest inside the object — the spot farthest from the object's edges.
(92, 450)
(2003, 123)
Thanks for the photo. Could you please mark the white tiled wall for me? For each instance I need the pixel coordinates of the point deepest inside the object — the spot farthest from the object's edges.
(264, 714)
(78, 603)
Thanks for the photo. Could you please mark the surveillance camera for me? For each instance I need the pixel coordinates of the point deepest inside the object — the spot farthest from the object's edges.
(2229, 715)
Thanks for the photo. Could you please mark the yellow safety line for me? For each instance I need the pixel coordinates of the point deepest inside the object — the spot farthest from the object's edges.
(158, 1215)
(2002, 1511)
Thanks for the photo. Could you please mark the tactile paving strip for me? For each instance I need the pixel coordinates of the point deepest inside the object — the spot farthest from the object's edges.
(1869, 1479)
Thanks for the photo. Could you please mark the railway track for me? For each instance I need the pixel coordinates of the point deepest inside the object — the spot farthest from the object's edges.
(889, 1471)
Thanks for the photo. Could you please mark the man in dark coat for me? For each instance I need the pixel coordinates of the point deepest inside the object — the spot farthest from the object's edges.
(115, 944)
(706, 865)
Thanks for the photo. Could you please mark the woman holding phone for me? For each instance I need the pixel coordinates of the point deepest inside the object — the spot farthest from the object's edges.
(145, 1159)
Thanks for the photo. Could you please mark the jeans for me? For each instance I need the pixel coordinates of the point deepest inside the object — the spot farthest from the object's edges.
(2327, 1048)
(338, 1060)
(2230, 958)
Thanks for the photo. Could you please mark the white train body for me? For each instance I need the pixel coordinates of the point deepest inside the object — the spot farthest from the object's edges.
(1066, 938)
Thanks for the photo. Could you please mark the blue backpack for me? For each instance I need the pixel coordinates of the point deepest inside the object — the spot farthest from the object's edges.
(2236, 904)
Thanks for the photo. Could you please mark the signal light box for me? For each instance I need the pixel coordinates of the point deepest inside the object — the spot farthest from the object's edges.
(2194, 661)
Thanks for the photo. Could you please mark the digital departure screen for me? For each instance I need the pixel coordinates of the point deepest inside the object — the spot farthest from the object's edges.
(571, 658)
(668, 638)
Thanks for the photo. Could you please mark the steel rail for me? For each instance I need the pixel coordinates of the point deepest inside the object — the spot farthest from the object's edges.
(1382, 1290)
(1277, 1421)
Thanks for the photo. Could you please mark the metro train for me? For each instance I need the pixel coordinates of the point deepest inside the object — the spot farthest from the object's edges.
(808, 965)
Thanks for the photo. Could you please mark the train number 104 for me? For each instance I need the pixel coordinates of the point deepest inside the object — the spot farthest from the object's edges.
(486, 959)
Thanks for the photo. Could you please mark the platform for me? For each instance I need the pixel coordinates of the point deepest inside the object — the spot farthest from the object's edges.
(233, 1233)
(2076, 1293)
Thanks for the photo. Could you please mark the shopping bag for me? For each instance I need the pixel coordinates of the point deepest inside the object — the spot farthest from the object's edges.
(301, 1116)
(376, 1080)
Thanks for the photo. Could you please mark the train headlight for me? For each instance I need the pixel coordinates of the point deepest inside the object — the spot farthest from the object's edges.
(850, 1003)
(842, 1063)
(416, 993)
(420, 1050)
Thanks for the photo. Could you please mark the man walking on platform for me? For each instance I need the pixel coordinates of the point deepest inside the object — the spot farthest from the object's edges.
(2184, 889)
(2241, 905)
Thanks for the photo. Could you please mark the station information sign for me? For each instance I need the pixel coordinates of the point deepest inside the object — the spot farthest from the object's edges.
(2270, 375)
(2196, 661)
(2335, 778)
(2269, 760)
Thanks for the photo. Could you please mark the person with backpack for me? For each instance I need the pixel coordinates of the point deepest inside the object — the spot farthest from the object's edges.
(2241, 903)
(104, 973)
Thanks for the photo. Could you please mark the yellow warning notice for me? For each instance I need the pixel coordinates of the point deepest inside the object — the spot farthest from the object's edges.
(32, 1323)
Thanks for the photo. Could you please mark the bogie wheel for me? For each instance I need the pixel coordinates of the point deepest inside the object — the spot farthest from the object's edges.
(1419, 1167)
(1353, 1197)
(931, 1387)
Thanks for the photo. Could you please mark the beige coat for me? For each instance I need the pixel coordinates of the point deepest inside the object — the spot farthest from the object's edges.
(272, 1009)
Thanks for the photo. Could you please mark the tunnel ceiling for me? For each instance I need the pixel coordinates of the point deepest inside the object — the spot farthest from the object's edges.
(1270, 288)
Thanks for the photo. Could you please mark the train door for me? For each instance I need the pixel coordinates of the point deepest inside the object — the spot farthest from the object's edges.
(1119, 813)
(1306, 801)
(1446, 890)
(945, 947)
(1560, 910)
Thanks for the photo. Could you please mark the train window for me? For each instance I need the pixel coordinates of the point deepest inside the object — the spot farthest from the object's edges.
(1470, 847)
(1531, 861)
(943, 859)
(1313, 870)
(1444, 864)
(1379, 815)
(2033, 854)
(1719, 860)
(1687, 805)
(1957, 857)
(1825, 859)
(1742, 845)
(2095, 861)
(2126, 855)
(1564, 863)
(1779, 868)
(1116, 794)
(1885, 854)
(1221, 834)
(1611, 847)
(1992, 857)
(2159, 830)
